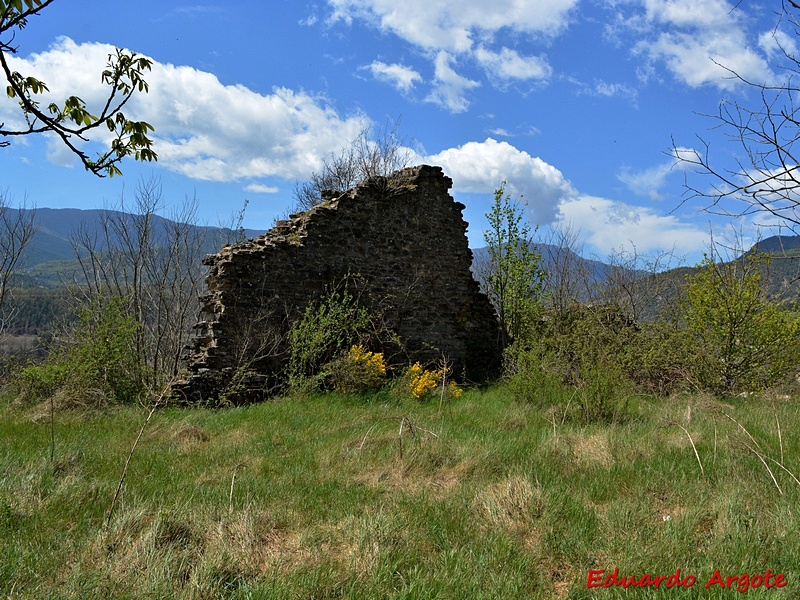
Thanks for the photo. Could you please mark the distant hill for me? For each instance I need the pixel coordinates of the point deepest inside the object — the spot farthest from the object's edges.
(50, 260)
(594, 270)
(778, 244)
(781, 278)
(51, 254)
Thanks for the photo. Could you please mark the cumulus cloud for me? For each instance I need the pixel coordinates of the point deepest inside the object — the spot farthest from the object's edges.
(450, 88)
(508, 64)
(454, 25)
(465, 29)
(610, 225)
(480, 167)
(204, 129)
(399, 76)
(699, 42)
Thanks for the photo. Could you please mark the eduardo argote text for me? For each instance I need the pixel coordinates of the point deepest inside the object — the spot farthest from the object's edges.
(741, 583)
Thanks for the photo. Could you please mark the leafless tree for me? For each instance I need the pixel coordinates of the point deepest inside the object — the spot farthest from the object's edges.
(567, 280)
(155, 264)
(635, 282)
(363, 158)
(17, 229)
(765, 178)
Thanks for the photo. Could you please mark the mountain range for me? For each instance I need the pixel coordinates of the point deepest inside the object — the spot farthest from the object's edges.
(52, 252)
(51, 256)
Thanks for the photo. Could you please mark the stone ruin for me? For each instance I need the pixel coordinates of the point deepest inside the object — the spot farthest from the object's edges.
(400, 239)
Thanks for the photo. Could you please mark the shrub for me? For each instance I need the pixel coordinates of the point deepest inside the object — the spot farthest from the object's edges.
(590, 391)
(420, 381)
(660, 359)
(603, 393)
(744, 341)
(533, 380)
(357, 371)
(423, 383)
(99, 355)
(454, 390)
(326, 328)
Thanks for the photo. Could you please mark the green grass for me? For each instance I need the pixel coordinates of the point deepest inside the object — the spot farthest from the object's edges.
(485, 500)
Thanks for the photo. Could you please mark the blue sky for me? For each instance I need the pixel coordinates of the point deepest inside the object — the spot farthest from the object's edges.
(573, 102)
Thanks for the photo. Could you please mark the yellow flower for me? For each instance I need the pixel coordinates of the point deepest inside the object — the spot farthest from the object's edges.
(421, 382)
(454, 390)
(359, 370)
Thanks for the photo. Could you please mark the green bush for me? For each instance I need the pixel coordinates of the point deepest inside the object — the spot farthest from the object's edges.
(603, 393)
(534, 379)
(660, 359)
(744, 342)
(98, 355)
(326, 329)
(596, 393)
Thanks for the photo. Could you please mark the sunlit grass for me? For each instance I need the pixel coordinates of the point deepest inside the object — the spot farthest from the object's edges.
(361, 496)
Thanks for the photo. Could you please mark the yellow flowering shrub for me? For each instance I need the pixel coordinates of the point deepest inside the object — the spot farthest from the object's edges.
(453, 390)
(421, 382)
(357, 371)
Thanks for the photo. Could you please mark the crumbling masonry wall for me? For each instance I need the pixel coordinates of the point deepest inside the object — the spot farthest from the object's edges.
(403, 237)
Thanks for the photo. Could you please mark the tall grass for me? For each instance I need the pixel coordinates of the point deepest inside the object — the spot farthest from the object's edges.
(312, 498)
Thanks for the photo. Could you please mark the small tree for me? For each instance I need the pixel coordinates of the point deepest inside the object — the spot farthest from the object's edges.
(567, 279)
(327, 328)
(154, 266)
(71, 121)
(744, 341)
(360, 160)
(635, 282)
(96, 359)
(514, 278)
(17, 229)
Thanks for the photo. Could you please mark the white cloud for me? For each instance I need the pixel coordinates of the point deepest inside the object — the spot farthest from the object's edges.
(648, 182)
(454, 25)
(777, 43)
(609, 90)
(466, 29)
(690, 13)
(260, 188)
(508, 64)
(450, 88)
(204, 129)
(401, 77)
(480, 167)
(714, 57)
(609, 225)
(700, 43)
(500, 132)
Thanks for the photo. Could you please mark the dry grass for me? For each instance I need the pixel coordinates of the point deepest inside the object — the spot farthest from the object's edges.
(486, 502)
(513, 504)
(587, 450)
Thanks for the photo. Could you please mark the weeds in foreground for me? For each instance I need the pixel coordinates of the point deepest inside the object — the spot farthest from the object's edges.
(315, 498)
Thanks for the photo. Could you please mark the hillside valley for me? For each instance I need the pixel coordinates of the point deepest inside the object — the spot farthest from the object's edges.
(51, 262)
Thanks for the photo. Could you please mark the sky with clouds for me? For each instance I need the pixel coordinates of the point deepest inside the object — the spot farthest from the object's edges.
(575, 104)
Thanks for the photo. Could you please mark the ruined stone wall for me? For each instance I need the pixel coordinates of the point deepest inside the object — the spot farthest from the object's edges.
(402, 236)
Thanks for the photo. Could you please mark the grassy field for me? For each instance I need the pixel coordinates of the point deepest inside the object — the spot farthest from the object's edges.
(361, 497)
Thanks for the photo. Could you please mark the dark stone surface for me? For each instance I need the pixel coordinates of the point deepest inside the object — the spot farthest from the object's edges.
(403, 239)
